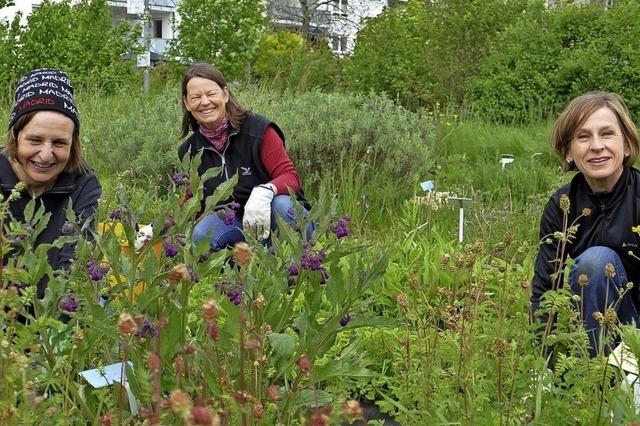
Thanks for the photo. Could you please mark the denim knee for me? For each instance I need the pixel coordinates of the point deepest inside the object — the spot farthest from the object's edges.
(593, 263)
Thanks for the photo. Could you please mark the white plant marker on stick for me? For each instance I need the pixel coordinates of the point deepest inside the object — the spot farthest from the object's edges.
(506, 159)
(461, 203)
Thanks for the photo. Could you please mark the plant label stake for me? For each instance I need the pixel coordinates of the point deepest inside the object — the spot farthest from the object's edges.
(105, 376)
(461, 203)
(428, 185)
(506, 159)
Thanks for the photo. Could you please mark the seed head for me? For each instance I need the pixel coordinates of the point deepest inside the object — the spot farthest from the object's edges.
(583, 280)
(126, 324)
(179, 366)
(304, 365)
(210, 310)
(78, 336)
(273, 393)
(258, 410)
(586, 211)
(609, 270)
(242, 253)
(402, 301)
(154, 362)
(180, 402)
(564, 203)
(202, 416)
(179, 273)
(259, 302)
(352, 411)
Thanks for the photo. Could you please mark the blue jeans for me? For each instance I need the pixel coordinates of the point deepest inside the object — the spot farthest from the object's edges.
(221, 235)
(601, 292)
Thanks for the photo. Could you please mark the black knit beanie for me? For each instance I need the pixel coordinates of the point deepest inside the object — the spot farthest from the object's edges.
(44, 89)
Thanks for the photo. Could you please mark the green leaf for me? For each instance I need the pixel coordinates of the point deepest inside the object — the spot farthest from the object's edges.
(309, 397)
(282, 349)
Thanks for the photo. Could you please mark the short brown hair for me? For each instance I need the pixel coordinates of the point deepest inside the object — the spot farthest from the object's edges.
(236, 113)
(579, 110)
(76, 159)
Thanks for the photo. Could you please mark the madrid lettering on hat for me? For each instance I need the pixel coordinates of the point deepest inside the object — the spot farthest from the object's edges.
(44, 89)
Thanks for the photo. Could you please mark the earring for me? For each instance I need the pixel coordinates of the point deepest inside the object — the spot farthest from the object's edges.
(569, 160)
(626, 155)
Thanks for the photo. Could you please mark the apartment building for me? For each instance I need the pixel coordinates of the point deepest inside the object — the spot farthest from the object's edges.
(336, 21)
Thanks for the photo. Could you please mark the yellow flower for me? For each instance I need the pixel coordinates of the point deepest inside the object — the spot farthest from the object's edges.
(636, 229)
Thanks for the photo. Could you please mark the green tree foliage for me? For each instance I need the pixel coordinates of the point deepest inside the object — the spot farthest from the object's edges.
(287, 61)
(426, 51)
(548, 57)
(78, 38)
(223, 32)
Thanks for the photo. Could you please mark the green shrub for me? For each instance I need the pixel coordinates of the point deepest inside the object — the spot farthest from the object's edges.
(286, 61)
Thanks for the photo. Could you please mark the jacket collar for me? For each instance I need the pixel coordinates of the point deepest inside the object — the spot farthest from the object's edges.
(65, 184)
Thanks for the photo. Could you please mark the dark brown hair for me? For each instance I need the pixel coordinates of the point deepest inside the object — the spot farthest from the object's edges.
(76, 159)
(236, 113)
(579, 110)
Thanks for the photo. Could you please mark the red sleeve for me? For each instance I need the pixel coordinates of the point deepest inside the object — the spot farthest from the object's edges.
(278, 164)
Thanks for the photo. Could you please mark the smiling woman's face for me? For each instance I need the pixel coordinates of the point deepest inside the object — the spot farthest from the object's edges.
(44, 148)
(206, 101)
(598, 149)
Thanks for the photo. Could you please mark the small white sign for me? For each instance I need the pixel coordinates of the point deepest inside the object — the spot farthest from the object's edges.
(506, 159)
(428, 185)
(100, 377)
(143, 60)
(135, 7)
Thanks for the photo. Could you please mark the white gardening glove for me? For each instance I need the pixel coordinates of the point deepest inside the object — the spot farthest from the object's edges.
(257, 212)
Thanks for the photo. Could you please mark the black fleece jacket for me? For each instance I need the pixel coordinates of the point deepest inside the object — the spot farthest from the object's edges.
(613, 222)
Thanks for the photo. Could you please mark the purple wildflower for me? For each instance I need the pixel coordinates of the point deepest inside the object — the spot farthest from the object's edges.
(235, 296)
(147, 330)
(227, 216)
(180, 237)
(292, 269)
(325, 276)
(67, 228)
(69, 303)
(170, 250)
(180, 179)
(341, 227)
(312, 261)
(97, 270)
(346, 319)
(116, 214)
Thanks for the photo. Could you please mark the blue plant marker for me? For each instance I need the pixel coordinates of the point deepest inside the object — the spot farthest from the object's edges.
(428, 185)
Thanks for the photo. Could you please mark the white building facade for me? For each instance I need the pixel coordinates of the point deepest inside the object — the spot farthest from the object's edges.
(337, 21)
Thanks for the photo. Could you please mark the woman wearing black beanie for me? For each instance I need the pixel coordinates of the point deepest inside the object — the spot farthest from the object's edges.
(43, 154)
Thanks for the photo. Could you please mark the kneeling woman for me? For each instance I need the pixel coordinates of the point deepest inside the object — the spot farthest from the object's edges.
(242, 143)
(595, 136)
(43, 153)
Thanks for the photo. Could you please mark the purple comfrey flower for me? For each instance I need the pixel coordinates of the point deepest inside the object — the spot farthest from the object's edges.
(227, 216)
(312, 261)
(117, 214)
(97, 270)
(69, 303)
(180, 179)
(67, 228)
(234, 205)
(346, 319)
(292, 269)
(180, 237)
(341, 227)
(170, 250)
(147, 330)
(235, 296)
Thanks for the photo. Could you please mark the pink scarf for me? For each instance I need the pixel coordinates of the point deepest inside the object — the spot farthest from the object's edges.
(217, 136)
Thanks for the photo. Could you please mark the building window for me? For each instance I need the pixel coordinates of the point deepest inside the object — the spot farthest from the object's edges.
(157, 28)
(339, 43)
(341, 6)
